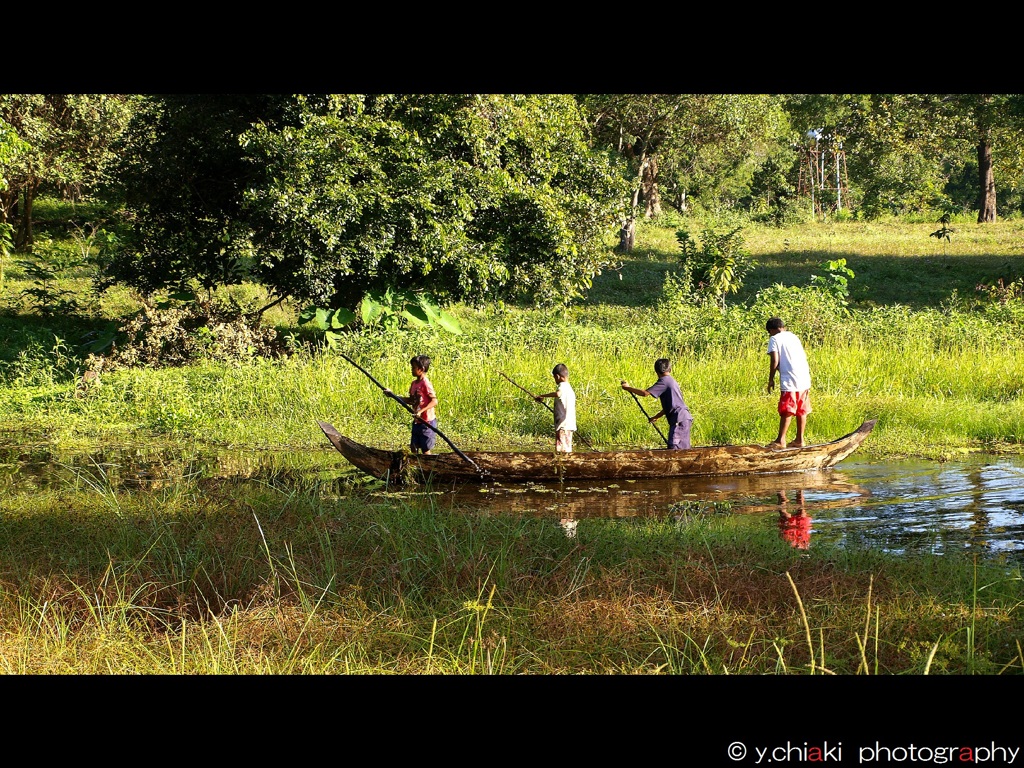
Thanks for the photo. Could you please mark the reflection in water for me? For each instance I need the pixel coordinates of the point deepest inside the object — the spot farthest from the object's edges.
(904, 506)
(652, 498)
(917, 506)
(794, 523)
(152, 469)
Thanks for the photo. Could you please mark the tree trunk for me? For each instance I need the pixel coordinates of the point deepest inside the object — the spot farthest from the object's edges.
(24, 239)
(680, 203)
(8, 205)
(649, 187)
(627, 235)
(986, 179)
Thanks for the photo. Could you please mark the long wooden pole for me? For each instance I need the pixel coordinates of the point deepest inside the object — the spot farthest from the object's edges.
(408, 407)
(637, 400)
(578, 433)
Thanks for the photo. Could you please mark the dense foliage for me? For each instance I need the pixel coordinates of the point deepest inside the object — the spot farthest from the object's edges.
(181, 177)
(57, 144)
(403, 206)
(326, 199)
(469, 197)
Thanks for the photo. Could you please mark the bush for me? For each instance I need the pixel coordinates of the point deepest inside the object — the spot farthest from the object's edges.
(718, 265)
(201, 330)
(812, 314)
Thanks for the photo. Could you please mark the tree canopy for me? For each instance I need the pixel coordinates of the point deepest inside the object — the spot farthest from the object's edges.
(180, 177)
(694, 146)
(61, 143)
(472, 197)
(333, 198)
(917, 152)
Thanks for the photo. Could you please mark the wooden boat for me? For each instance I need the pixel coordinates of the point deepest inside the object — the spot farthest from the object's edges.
(400, 467)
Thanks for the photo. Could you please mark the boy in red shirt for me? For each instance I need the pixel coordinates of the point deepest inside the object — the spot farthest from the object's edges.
(794, 527)
(423, 401)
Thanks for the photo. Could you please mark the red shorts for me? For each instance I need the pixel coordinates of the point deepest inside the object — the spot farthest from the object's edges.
(795, 403)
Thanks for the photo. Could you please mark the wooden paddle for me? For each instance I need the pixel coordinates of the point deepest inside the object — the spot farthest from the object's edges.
(580, 436)
(643, 410)
(409, 408)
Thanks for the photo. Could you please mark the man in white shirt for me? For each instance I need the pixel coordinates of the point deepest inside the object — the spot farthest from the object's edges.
(786, 355)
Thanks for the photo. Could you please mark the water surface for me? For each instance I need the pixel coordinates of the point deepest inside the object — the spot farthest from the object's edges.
(907, 506)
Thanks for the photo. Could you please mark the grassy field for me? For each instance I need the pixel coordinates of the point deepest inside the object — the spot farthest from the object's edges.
(939, 363)
(202, 578)
(214, 578)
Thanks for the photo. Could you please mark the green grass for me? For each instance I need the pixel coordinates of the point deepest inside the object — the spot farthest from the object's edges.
(921, 350)
(201, 578)
(205, 576)
(937, 387)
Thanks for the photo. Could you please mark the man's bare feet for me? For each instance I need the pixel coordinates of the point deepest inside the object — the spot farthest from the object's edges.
(775, 445)
(797, 444)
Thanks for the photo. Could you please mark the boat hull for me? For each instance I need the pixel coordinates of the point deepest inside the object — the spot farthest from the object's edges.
(539, 466)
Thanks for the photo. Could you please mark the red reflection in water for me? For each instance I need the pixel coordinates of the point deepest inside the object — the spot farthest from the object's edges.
(794, 524)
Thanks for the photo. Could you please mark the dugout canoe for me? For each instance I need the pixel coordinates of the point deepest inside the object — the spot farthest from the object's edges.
(400, 467)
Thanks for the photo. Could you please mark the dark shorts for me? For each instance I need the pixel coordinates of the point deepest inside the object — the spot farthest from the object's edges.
(679, 434)
(423, 437)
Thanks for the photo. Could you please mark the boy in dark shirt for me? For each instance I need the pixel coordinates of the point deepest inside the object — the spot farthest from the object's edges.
(673, 406)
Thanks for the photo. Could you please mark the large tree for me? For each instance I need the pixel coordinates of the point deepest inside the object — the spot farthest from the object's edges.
(181, 176)
(903, 150)
(468, 197)
(66, 148)
(686, 143)
(993, 125)
(327, 198)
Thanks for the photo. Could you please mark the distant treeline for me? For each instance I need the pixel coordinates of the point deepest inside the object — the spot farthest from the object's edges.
(331, 199)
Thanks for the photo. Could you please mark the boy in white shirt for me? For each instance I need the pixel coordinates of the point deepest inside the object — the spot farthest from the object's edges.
(565, 408)
(786, 355)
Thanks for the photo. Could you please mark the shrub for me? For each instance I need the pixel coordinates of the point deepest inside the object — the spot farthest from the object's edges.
(718, 265)
(835, 282)
(200, 330)
(807, 311)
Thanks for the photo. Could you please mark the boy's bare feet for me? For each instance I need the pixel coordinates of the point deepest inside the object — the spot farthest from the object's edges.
(797, 444)
(775, 445)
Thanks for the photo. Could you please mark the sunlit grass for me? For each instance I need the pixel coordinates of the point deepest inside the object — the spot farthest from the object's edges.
(202, 576)
(942, 374)
(930, 398)
(191, 580)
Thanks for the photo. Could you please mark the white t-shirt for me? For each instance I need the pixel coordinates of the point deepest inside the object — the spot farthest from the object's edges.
(565, 407)
(794, 372)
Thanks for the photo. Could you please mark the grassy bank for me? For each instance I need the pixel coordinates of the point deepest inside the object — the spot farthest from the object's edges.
(207, 579)
(939, 363)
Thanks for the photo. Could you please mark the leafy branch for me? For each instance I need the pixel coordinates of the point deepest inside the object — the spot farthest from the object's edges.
(719, 265)
(836, 280)
(386, 311)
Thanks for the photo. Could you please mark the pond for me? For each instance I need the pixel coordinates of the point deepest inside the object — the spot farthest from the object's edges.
(898, 506)
(907, 506)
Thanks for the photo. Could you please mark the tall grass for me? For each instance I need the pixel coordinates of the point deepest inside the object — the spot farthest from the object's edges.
(203, 576)
(937, 385)
(938, 363)
(201, 579)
